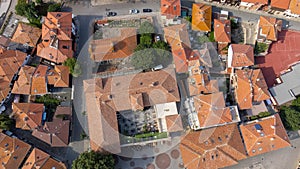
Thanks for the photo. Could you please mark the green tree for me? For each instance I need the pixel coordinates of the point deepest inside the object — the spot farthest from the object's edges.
(93, 160)
(260, 48)
(146, 39)
(38, 2)
(264, 114)
(21, 7)
(77, 70)
(290, 117)
(6, 123)
(70, 62)
(161, 45)
(211, 36)
(146, 28)
(143, 59)
(54, 7)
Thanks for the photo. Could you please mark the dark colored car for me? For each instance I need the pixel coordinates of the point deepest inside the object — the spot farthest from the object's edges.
(147, 10)
(111, 13)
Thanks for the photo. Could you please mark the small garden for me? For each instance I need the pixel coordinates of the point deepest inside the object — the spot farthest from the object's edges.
(260, 48)
(50, 103)
(290, 115)
(260, 115)
(143, 137)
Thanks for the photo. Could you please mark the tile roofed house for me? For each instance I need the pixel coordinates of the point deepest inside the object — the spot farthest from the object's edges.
(41, 160)
(56, 132)
(268, 28)
(250, 87)
(106, 96)
(56, 45)
(280, 4)
(4, 42)
(117, 47)
(170, 8)
(265, 135)
(23, 84)
(212, 148)
(174, 123)
(27, 34)
(39, 83)
(28, 116)
(256, 1)
(201, 17)
(240, 55)
(178, 38)
(222, 30)
(10, 62)
(12, 151)
(289, 88)
(59, 76)
(211, 110)
(295, 7)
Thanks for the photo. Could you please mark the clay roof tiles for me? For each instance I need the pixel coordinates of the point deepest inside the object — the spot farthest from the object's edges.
(201, 17)
(243, 55)
(295, 7)
(170, 8)
(27, 34)
(280, 4)
(39, 83)
(23, 84)
(59, 76)
(270, 27)
(222, 30)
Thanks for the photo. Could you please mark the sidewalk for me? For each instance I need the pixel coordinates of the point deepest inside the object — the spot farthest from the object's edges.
(4, 6)
(105, 2)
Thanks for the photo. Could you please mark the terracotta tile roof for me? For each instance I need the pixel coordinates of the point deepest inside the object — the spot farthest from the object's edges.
(59, 76)
(26, 34)
(178, 38)
(269, 27)
(201, 17)
(38, 84)
(212, 148)
(41, 160)
(211, 109)
(251, 86)
(55, 133)
(170, 8)
(266, 135)
(23, 84)
(242, 55)
(174, 123)
(56, 44)
(295, 7)
(4, 42)
(63, 110)
(281, 4)
(28, 116)
(108, 95)
(12, 151)
(10, 61)
(256, 1)
(222, 30)
(273, 64)
(116, 47)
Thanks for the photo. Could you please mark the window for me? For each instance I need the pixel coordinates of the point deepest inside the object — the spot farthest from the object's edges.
(175, 7)
(65, 47)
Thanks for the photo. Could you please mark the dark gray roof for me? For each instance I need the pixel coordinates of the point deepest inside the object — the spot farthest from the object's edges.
(290, 86)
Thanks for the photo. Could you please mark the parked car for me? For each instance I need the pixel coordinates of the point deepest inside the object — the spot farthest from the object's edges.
(111, 13)
(147, 10)
(133, 11)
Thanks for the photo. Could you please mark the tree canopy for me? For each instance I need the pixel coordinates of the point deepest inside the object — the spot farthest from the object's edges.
(54, 7)
(290, 115)
(74, 67)
(6, 123)
(93, 160)
(260, 48)
(143, 59)
(146, 28)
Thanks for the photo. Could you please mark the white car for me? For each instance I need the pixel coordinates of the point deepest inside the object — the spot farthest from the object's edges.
(134, 11)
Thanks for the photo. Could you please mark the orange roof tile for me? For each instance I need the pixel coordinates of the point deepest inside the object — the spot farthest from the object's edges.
(23, 84)
(108, 95)
(27, 34)
(212, 148)
(222, 30)
(116, 47)
(51, 163)
(281, 4)
(28, 115)
(63, 110)
(256, 1)
(56, 44)
(38, 84)
(266, 135)
(59, 76)
(4, 42)
(10, 62)
(211, 109)
(251, 86)
(269, 27)
(170, 8)
(295, 7)
(174, 123)
(201, 17)
(242, 55)
(12, 151)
